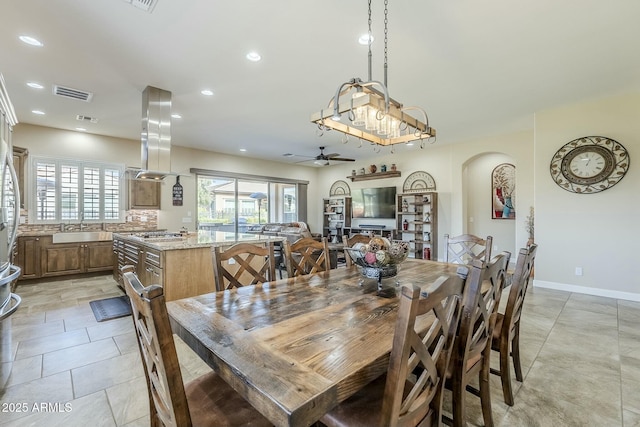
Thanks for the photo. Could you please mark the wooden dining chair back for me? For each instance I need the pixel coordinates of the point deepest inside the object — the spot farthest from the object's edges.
(243, 264)
(506, 335)
(205, 401)
(306, 256)
(471, 354)
(411, 392)
(348, 242)
(465, 248)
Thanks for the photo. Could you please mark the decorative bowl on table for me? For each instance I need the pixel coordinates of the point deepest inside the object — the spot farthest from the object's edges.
(379, 258)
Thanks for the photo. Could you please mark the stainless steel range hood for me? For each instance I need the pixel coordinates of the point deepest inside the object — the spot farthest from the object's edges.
(156, 134)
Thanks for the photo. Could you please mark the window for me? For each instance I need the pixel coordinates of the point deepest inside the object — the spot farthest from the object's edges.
(71, 190)
(234, 203)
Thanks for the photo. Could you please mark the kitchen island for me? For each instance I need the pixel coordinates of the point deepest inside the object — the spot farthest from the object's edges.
(182, 264)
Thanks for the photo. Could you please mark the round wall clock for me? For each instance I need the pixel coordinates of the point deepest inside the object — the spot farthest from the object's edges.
(340, 188)
(589, 164)
(418, 182)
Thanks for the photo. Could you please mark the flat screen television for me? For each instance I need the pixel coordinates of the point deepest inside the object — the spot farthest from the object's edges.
(374, 202)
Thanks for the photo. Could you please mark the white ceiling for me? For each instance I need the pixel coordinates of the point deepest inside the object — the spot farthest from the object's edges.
(477, 67)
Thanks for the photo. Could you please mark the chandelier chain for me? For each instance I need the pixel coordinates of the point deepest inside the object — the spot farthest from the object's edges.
(386, 38)
(369, 42)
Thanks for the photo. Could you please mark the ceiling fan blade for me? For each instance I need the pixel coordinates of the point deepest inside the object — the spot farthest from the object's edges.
(332, 155)
(342, 159)
(312, 159)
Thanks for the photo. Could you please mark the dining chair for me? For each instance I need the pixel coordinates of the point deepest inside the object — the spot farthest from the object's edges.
(472, 350)
(506, 334)
(206, 401)
(243, 264)
(348, 242)
(306, 256)
(278, 251)
(465, 248)
(410, 393)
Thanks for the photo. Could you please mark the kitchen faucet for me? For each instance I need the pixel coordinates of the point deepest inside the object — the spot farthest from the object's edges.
(82, 224)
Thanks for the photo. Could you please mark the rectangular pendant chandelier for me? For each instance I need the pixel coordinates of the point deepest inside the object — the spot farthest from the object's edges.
(368, 116)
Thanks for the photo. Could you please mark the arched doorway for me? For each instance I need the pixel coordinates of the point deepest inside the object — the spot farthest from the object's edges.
(478, 202)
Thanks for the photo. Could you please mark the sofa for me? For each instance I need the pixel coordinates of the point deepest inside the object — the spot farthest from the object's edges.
(291, 230)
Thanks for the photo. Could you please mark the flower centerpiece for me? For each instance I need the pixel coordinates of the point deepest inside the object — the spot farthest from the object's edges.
(380, 257)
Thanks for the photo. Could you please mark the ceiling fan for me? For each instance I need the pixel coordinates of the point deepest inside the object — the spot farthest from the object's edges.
(323, 159)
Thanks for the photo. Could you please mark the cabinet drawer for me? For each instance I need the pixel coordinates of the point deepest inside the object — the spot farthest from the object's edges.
(153, 257)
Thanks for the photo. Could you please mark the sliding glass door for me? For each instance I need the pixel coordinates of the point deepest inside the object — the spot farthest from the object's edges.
(235, 204)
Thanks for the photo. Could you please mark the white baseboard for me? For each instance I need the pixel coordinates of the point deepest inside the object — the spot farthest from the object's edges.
(587, 290)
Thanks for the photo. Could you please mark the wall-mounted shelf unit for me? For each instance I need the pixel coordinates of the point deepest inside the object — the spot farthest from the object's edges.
(337, 217)
(418, 213)
(377, 175)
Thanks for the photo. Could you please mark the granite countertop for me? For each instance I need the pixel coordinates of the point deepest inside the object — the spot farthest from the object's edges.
(32, 233)
(201, 239)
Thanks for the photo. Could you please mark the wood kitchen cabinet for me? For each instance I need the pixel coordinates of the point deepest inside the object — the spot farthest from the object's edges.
(98, 256)
(61, 258)
(40, 257)
(20, 165)
(144, 194)
(28, 257)
(182, 273)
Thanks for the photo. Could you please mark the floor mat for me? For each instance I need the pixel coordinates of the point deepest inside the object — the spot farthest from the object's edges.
(111, 308)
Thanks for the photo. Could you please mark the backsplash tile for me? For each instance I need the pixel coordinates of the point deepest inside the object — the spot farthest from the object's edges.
(133, 222)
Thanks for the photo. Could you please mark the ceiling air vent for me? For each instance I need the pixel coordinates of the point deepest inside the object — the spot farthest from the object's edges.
(68, 92)
(146, 5)
(82, 118)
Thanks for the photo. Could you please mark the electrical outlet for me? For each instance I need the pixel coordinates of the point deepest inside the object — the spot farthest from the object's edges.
(495, 247)
(578, 271)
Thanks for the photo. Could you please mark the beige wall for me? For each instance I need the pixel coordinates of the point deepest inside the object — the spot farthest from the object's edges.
(598, 231)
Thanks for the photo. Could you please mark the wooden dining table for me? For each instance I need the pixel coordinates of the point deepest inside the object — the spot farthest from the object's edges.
(295, 348)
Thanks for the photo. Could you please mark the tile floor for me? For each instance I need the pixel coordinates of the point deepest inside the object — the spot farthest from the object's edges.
(581, 357)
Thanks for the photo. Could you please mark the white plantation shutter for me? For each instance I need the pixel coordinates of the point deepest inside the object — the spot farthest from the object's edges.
(68, 190)
(112, 193)
(91, 193)
(45, 193)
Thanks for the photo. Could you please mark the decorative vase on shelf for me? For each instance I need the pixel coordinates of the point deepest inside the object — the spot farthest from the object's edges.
(373, 168)
(393, 167)
(383, 168)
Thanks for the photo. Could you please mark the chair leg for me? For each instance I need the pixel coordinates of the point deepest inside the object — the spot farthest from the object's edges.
(515, 353)
(458, 412)
(505, 372)
(485, 391)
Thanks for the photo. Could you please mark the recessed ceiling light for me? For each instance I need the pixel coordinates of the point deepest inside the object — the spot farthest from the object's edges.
(254, 56)
(243, 149)
(81, 129)
(364, 39)
(35, 85)
(288, 154)
(38, 112)
(206, 92)
(31, 41)
(176, 116)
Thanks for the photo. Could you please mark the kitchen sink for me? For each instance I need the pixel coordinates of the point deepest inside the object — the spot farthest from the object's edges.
(82, 236)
